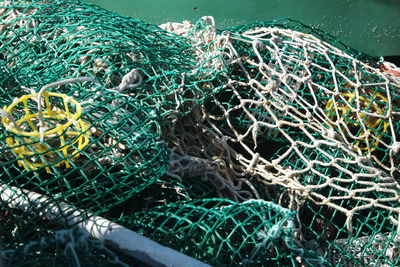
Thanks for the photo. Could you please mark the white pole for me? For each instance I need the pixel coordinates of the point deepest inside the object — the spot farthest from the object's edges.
(114, 235)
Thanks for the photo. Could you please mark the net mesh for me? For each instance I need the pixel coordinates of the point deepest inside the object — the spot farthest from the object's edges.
(317, 125)
(223, 232)
(263, 143)
(71, 247)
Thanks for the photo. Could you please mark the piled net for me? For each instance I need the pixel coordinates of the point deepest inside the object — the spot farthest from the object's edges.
(72, 247)
(260, 144)
(224, 232)
(311, 122)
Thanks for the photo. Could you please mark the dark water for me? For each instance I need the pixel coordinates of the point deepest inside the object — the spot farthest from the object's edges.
(372, 26)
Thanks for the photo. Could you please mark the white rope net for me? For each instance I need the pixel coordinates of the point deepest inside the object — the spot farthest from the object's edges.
(303, 116)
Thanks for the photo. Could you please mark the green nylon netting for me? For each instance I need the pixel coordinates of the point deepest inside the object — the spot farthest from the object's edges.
(158, 127)
(115, 154)
(71, 247)
(112, 149)
(44, 42)
(223, 232)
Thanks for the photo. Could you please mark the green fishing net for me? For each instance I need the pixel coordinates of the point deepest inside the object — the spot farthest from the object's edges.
(267, 143)
(71, 247)
(223, 232)
(84, 143)
(46, 41)
(95, 154)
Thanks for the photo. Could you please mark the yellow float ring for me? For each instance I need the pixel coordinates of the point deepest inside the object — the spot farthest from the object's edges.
(343, 110)
(32, 153)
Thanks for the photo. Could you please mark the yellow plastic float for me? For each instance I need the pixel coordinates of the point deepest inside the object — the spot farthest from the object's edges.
(372, 123)
(49, 137)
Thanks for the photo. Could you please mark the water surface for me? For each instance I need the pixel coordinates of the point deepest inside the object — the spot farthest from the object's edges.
(372, 26)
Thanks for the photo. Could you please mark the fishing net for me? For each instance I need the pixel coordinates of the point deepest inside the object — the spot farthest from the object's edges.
(80, 154)
(314, 124)
(71, 247)
(223, 232)
(174, 131)
(79, 140)
(74, 141)
(46, 41)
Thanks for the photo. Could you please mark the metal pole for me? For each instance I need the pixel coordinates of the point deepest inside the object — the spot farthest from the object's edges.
(113, 234)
